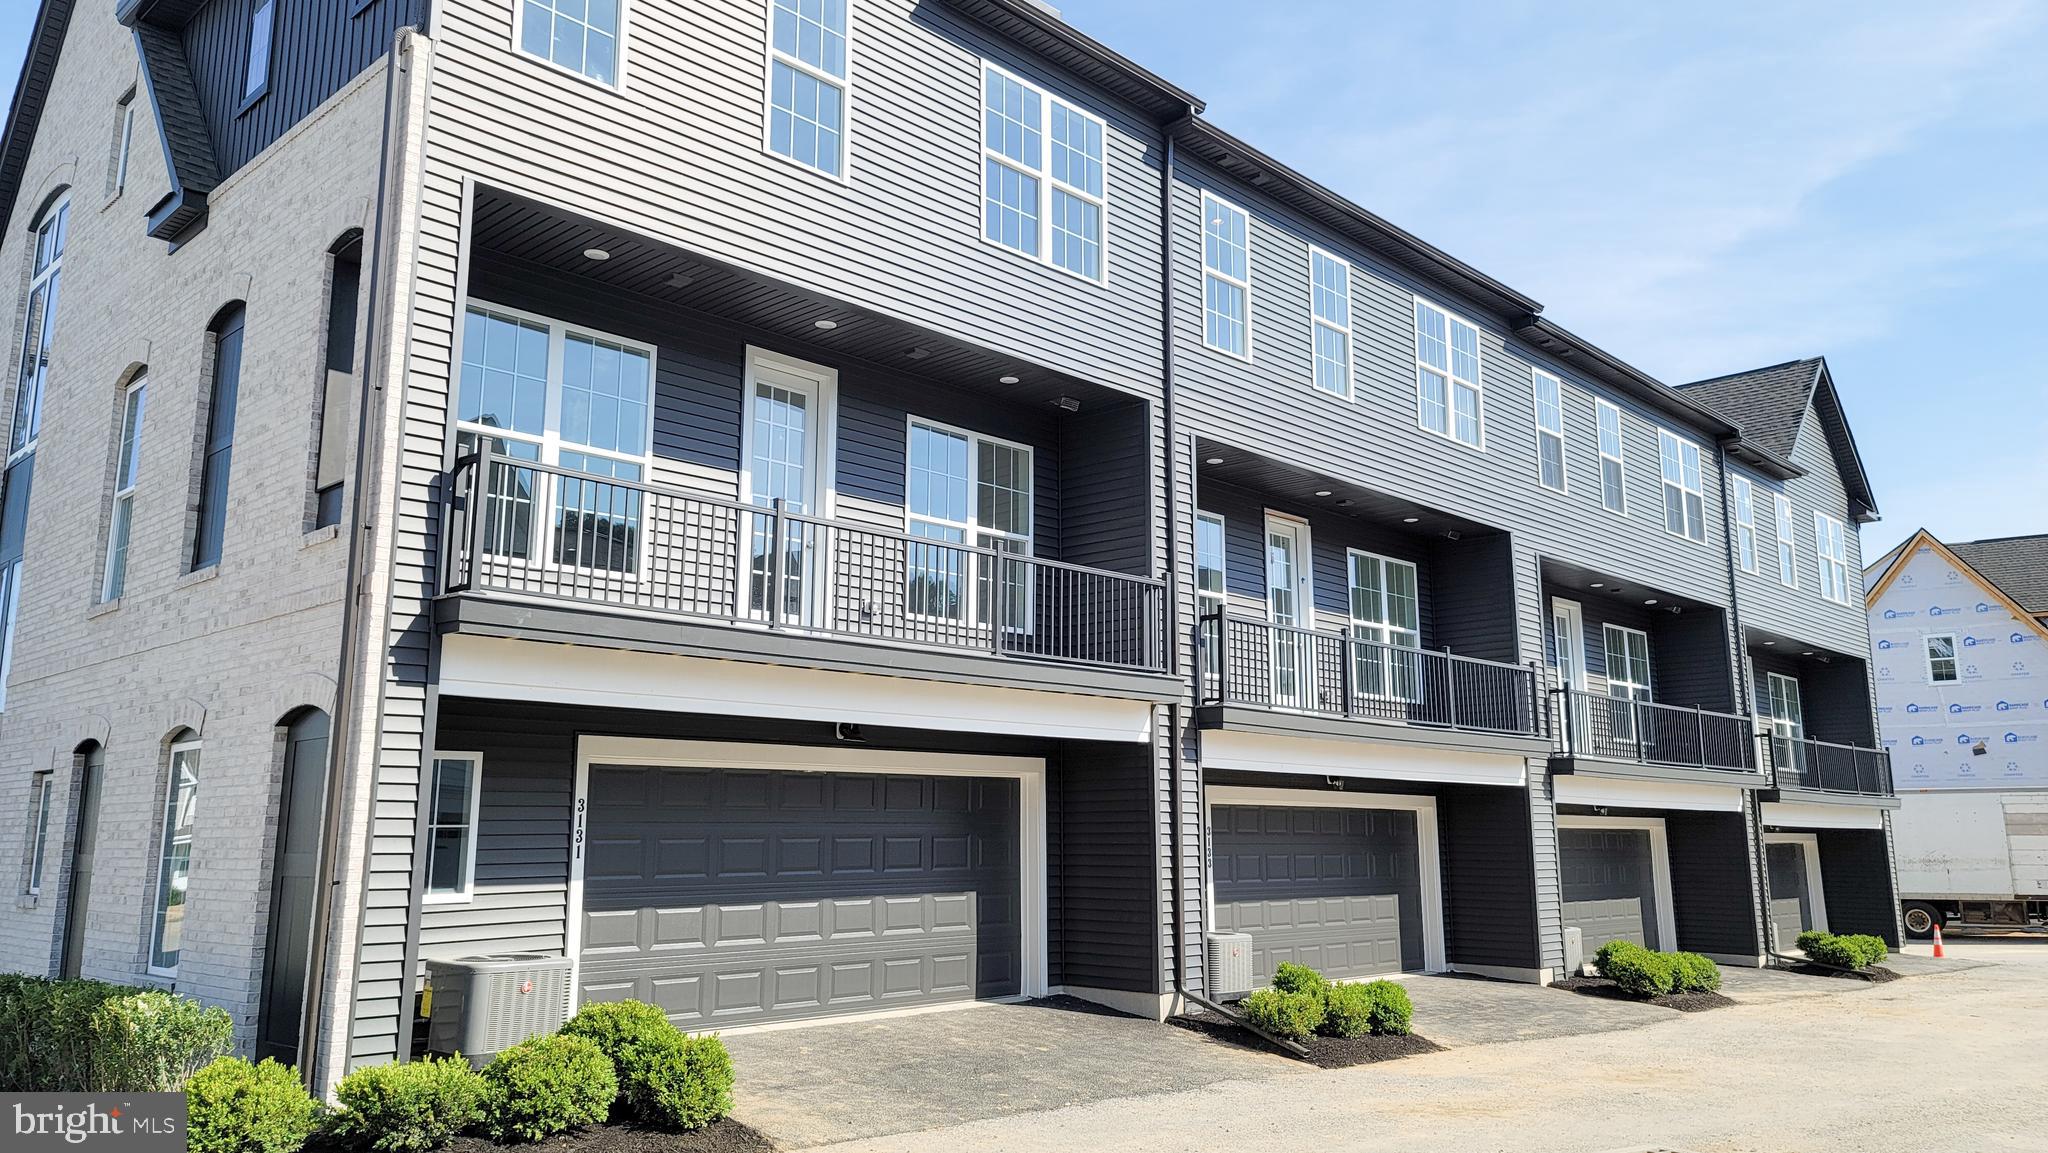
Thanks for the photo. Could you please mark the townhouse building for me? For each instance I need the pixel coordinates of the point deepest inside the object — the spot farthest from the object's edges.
(807, 508)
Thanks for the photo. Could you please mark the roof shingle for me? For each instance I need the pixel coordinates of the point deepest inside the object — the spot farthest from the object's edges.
(1768, 403)
(2018, 565)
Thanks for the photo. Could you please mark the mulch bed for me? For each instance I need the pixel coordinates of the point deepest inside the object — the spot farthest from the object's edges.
(1323, 1052)
(1602, 987)
(726, 1136)
(1876, 974)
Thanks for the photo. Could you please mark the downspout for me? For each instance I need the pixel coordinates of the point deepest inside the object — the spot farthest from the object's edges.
(341, 732)
(1174, 767)
(1761, 899)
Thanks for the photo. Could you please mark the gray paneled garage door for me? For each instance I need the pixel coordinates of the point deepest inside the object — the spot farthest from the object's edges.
(1609, 889)
(731, 896)
(1336, 889)
(1791, 901)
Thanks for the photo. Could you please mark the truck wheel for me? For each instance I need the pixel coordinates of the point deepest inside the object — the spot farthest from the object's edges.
(1921, 920)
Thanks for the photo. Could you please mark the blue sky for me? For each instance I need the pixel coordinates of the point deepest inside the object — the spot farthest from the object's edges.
(1699, 188)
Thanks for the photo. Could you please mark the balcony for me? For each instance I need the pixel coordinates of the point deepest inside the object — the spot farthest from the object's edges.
(1823, 771)
(519, 532)
(1663, 740)
(1255, 674)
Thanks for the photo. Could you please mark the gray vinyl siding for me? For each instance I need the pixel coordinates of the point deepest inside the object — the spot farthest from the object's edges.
(1688, 652)
(1834, 699)
(1713, 882)
(1489, 877)
(1104, 870)
(677, 154)
(1803, 613)
(1858, 882)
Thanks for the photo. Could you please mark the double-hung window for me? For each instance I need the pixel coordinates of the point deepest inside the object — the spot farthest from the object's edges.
(1685, 512)
(1210, 595)
(1549, 393)
(807, 60)
(451, 826)
(1386, 616)
(1613, 490)
(966, 493)
(216, 464)
(1787, 720)
(582, 36)
(1745, 522)
(1628, 677)
(1447, 390)
(1044, 177)
(1330, 321)
(127, 462)
(174, 862)
(1831, 548)
(38, 833)
(124, 144)
(1788, 559)
(575, 402)
(39, 329)
(1941, 658)
(1226, 277)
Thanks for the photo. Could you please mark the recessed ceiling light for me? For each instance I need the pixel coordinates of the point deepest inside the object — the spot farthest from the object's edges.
(1410, 519)
(596, 254)
(1807, 653)
(1322, 492)
(1006, 380)
(1213, 460)
(1767, 644)
(825, 325)
(1599, 584)
(1651, 601)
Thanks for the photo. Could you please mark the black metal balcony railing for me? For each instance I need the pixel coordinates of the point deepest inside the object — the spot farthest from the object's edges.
(518, 527)
(1622, 729)
(1264, 665)
(1823, 766)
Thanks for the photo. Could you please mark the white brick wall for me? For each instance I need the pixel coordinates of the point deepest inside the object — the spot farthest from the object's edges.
(227, 655)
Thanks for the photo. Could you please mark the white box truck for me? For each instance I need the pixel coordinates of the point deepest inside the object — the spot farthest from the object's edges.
(1972, 858)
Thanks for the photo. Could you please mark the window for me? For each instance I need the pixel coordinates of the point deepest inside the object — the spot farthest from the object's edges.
(1941, 658)
(537, 390)
(1226, 277)
(211, 526)
(1549, 430)
(1831, 546)
(40, 325)
(451, 826)
(1613, 495)
(127, 461)
(1684, 509)
(1788, 725)
(1788, 561)
(1446, 374)
(38, 833)
(963, 488)
(807, 83)
(1745, 522)
(10, 606)
(262, 22)
(124, 144)
(174, 864)
(330, 464)
(1043, 176)
(1385, 611)
(1330, 321)
(1210, 594)
(1628, 663)
(581, 36)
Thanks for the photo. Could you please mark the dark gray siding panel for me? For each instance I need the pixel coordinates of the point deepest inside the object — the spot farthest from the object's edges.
(1834, 698)
(1713, 896)
(1109, 509)
(1692, 668)
(1857, 879)
(1474, 598)
(1488, 877)
(1103, 875)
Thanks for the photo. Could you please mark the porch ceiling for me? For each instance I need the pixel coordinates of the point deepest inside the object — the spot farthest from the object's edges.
(1299, 486)
(1791, 647)
(1595, 586)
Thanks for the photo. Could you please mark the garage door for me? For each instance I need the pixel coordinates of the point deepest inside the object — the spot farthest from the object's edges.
(1791, 901)
(732, 896)
(1339, 890)
(1609, 889)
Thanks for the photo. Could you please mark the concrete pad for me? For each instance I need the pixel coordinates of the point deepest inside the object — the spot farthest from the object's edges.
(1770, 986)
(1912, 965)
(837, 1082)
(1456, 1011)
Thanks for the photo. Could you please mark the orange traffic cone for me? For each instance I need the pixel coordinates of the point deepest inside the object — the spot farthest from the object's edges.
(1937, 941)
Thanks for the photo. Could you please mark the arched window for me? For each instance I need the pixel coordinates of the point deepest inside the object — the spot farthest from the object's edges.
(127, 466)
(218, 452)
(174, 862)
(51, 230)
(338, 386)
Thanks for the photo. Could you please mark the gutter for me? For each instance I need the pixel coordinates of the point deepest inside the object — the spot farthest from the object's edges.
(1752, 802)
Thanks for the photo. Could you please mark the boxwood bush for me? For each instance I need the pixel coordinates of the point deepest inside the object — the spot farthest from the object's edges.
(665, 1079)
(408, 1108)
(150, 1042)
(1854, 951)
(232, 1106)
(1692, 973)
(1295, 1016)
(46, 1038)
(1347, 1011)
(1289, 977)
(548, 1085)
(1639, 971)
(1392, 1011)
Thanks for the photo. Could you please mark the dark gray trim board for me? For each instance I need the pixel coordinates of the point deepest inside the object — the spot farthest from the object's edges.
(1251, 720)
(31, 93)
(1630, 770)
(1817, 797)
(477, 614)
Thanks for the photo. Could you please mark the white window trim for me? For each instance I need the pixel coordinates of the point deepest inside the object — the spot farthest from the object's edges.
(825, 439)
(37, 280)
(1207, 272)
(550, 439)
(1825, 526)
(124, 145)
(1744, 493)
(1619, 456)
(1451, 377)
(1428, 859)
(123, 494)
(1564, 471)
(625, 23)
(1783, 527)
(1316, 322)
(43, 784)
(1043, 175)
(1664, 482)
(1816, 897)
(1927, 658)
(1769, 711)
(845, 87)
(157, 906)
(1352, 624)
(1649, 681)
(1028, 772)
(1660, 864)
(469, 822)
(972, 526)
(10, 622)
(1221, 599)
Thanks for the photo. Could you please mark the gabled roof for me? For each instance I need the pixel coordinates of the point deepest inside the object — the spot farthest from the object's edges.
(31, 92)
(2018, 565)
(1771, 404)
(2002, 551)
(1038, 28)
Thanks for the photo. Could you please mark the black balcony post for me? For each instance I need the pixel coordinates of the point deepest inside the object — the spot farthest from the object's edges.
(1635, 713)
(1699, 721)
(1534, 725)
(1451, 685)
(1346, 657)
(772, 598)
(479, 502)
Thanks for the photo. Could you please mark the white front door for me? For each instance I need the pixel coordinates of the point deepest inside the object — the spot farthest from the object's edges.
(1290, 605)
(783, 459)
(1568, 640)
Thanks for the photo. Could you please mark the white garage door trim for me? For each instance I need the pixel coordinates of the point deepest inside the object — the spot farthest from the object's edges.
(1806, 816)
(1660, 863)
(1028, 772)
(1265, 753)
(1616, 793)
(1815, 895)
(1428, 863)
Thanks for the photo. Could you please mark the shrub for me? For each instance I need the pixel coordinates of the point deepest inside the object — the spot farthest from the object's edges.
(232, 1106)
(1289, 977)
(151, 1042)
(1692, 973)
(408, 1108)
(1855, 951)
(1347, 1011)
(46, 1040)
(666, 1079)
(1639, 972)
(1871, 950)
(547, 1085)
(1292, 1015)
(1392, 1011)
